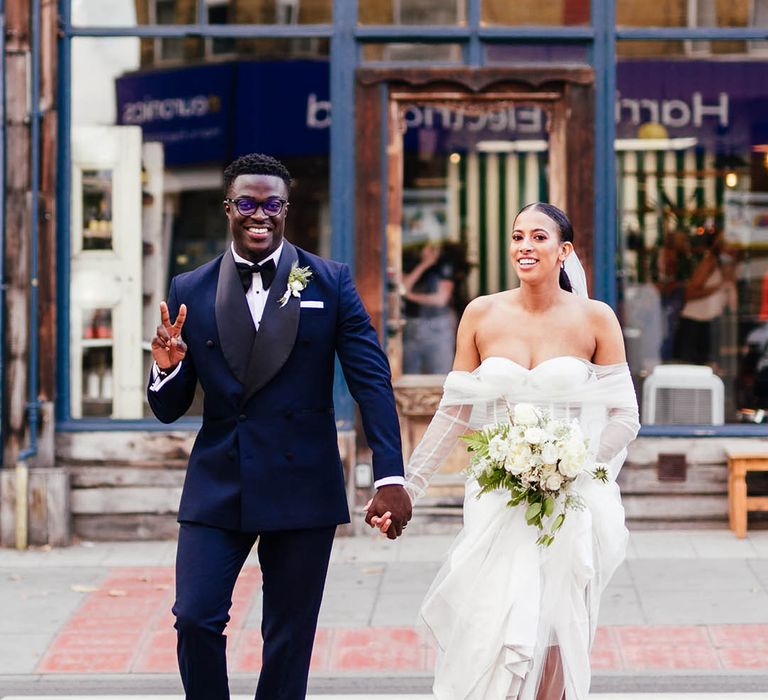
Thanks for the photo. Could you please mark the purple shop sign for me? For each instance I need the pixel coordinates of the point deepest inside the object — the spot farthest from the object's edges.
(216, 113)
(187, 109)
(212, 113)
(720, 103)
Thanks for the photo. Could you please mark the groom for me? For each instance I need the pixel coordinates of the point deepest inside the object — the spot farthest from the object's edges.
(259, 328)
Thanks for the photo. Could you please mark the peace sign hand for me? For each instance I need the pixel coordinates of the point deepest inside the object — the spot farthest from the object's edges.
(168, 349)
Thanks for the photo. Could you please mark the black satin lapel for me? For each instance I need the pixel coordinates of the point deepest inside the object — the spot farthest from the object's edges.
(277, 332)
(233, 319)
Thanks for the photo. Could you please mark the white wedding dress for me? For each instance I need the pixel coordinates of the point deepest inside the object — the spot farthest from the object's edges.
(512, 619)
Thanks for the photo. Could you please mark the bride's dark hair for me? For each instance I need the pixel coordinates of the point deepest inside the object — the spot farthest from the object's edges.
(565, 229)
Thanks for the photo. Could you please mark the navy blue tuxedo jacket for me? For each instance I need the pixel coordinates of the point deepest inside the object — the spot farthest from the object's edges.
(266, 457)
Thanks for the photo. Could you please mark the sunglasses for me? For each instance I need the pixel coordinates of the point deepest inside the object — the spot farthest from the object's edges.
(248, 206)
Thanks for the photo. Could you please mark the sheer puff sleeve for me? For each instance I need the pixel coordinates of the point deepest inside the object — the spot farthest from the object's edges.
(445, 428)
(622, 424)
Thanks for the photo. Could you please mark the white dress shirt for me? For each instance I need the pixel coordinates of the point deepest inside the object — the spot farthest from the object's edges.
(256, 296)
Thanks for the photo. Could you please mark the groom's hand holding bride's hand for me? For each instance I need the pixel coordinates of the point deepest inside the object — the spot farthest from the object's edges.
(389, 510)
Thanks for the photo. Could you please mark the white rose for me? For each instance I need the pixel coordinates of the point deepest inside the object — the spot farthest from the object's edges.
(549, 453)
(569, 467)
(517, 458)
(534, 435)
(296, 287)
(497, 448)
(553, 482)
(575, 443)
(519, 451)
(526, 414)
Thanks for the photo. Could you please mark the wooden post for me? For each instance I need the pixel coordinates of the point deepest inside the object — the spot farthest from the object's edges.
(17, 223)
(35, 507)
(33, 503)
(18, 216)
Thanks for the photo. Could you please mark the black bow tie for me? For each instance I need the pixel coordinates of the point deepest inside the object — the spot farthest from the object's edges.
(246, 272)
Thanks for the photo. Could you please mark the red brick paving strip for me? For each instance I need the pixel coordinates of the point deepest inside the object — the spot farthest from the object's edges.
(127, 627)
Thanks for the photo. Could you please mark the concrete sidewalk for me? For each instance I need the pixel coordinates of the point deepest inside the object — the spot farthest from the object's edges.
(685, 605)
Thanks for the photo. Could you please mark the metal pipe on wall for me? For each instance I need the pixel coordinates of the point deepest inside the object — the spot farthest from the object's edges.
(33, 403)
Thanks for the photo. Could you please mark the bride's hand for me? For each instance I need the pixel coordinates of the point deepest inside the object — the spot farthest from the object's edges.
(382, 522)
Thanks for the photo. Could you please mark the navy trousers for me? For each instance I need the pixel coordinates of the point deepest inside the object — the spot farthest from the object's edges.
(293, 563)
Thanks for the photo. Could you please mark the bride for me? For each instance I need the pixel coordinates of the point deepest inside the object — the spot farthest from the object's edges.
(511, 618)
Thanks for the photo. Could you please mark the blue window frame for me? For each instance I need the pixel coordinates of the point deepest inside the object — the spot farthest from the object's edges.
(346, 37)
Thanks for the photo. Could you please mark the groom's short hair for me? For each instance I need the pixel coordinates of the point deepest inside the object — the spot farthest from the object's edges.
(256, 164)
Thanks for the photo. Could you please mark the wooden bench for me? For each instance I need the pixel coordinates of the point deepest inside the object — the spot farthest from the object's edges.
(739, 503)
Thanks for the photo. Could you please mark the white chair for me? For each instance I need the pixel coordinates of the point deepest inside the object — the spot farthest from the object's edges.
(683, 394)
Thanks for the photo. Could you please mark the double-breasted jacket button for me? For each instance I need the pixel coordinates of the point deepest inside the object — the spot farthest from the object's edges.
(209, 343)
(242, 417)
(230, 454)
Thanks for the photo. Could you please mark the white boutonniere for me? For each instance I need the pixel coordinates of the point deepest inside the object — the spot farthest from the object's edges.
(298, 279)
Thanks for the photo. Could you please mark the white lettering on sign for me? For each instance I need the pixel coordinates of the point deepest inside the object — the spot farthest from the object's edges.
(674, 113)
(149, 110)
(525, 120)
(318, 112)
(720, 110)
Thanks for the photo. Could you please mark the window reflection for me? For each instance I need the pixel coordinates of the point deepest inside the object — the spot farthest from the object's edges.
(560, 12)
(132, 12)
(412, 12)
(195, 116)
(693, 200)
(407, 52)
(467, 171)
(692, 13)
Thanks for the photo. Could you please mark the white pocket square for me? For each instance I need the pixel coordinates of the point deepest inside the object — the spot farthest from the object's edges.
(312, 305)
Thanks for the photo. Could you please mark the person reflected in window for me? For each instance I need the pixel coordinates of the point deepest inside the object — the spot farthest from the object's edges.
(711, 289)
(674, 270)
(430, 320)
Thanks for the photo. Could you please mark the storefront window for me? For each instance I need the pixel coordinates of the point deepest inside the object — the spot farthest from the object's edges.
(412, 12)
(128, 13)
(559, 12)
(496, 54)
(692, 13)
(149, 144)
(693, 226)
(431, 53)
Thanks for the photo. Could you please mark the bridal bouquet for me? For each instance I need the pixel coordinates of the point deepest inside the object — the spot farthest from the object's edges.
(535, 457)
